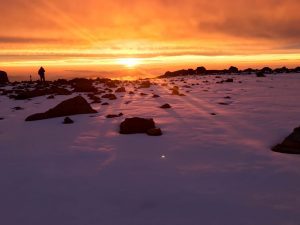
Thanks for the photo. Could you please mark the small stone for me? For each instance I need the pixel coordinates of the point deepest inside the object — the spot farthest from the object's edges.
(166, 106)
(154, 132)
(68, 120)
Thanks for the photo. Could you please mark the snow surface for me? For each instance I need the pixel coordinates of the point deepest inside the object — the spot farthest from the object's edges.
(205, 169)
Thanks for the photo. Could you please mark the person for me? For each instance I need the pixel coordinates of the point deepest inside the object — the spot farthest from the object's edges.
(42, 74)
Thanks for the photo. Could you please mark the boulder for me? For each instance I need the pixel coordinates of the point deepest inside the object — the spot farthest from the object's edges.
(136, 125)
(291, 144)
(145, 84)
(121, 89)
(166, 106)
(110, 116)
(73, 106)
(154, 132)
(83, 85)
(110, 96)
(68, 120)
(260, 74)
(3, 77)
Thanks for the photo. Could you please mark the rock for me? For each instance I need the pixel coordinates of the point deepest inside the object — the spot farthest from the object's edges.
(175, 90)
(143, 94)
(50, 97)
(131, 93)
(94, 98)
(213, 114)
(166, 106)
(110, 96)
(110, 116)
(136, 125)
(224, 103)
(28, 94)
(260, 74)
(229, 80)
(155, 96)
(105, 103)
(83, 85)
(145, 84)
(291, 144)
(1, 118)
(3, 77)
(68, 120)
(121, 89)
(18, 108)
(73, 106)
(154, 132)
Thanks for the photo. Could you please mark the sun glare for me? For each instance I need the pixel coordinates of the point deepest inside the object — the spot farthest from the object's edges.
(129, 62)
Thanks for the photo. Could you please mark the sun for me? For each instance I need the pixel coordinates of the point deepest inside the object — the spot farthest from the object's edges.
(129, 62)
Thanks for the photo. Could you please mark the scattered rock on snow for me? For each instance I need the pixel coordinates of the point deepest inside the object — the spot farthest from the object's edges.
(291, 144)
(136, 125)
(110, 96)
(68, 120)
(110, 116)
(154, 132)
(121, 89)
(18, 108)
(166, 106)
(73, 106)
(3, 77)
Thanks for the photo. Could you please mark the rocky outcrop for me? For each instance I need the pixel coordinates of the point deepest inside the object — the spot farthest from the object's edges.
(3, 77)
(166, 106)
(136, 125)
(291, 144)
(73, 106)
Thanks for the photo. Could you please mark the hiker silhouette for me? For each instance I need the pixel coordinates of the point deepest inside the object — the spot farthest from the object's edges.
(42, 74)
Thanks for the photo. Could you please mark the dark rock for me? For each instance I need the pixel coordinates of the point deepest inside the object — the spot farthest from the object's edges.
(83, 85)
(175, 91)
(224, 103)
(68, 120)
(136, 125)
(131, 93)
(229, 80)
(233, 69)
(40, 91)
(213, 114)
(110, 96)
(155, 96)
(110, 116)
(154, 132)
(105, 103)
(143, 94)
(291, 144)
(121, 89)
(1, 118)
(260, 74)
(166, 106)
(94, 98)
(3, 77)
(50, 97)
(145, 84)
(73, 106)
(18, 108)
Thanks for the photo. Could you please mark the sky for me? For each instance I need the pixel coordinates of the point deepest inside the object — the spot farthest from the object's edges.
(96, 37)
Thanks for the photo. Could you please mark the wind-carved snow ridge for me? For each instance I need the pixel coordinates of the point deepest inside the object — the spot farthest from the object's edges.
(212, 165)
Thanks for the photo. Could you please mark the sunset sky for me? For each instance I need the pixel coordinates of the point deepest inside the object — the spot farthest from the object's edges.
(95, 37)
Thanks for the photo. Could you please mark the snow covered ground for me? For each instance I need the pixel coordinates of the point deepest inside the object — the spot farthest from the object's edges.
(205, 169)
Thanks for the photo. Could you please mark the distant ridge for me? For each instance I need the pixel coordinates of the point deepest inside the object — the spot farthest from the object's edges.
(232, 70)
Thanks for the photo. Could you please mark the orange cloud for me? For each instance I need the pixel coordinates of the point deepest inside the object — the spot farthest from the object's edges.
(59, 29)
